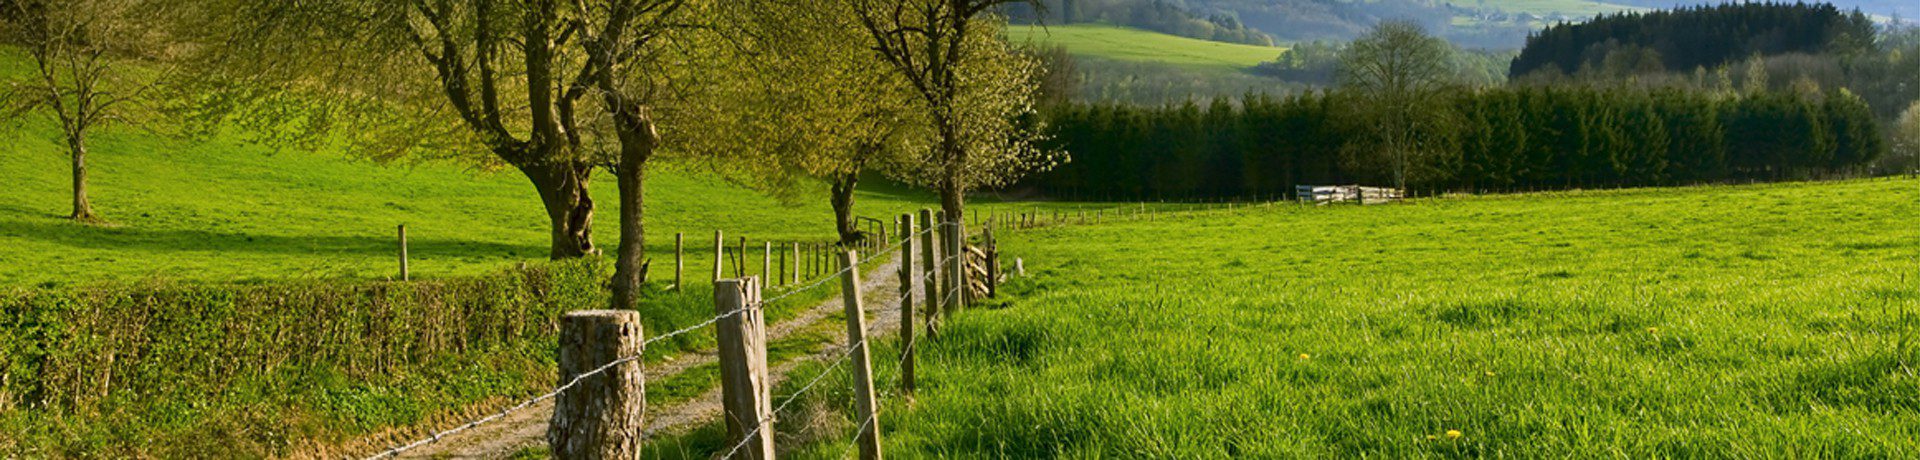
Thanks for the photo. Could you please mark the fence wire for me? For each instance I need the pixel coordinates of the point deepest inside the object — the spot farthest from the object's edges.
(437, 436)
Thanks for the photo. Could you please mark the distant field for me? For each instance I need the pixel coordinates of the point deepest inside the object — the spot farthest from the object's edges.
(1570, 7)
(1134, 45)
(1719, 322)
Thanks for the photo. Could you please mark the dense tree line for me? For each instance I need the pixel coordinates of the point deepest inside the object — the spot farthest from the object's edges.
(1495, 139)
(1155, 15)
(1694, 37)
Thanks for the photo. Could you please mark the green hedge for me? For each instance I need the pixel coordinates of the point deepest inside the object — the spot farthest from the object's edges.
(170, 370)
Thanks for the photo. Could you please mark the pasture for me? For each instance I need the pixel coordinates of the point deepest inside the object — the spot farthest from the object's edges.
(1135, 45)
(1723, 321)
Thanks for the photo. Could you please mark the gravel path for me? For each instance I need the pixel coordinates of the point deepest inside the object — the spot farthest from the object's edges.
(527, 428)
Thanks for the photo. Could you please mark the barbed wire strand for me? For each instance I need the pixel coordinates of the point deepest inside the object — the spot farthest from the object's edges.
(437, 436)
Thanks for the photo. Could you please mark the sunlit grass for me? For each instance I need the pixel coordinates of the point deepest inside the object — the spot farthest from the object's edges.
(1751, 321)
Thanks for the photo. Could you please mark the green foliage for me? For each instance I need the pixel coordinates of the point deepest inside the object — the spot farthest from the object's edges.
(171, 370)
(1500, 139)
(1751, 321)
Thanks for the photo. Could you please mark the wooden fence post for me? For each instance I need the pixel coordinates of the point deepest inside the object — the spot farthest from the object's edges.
(766, 262)
(869, 437)
(993, 265)
(906, 305)
(947, 300)
(746, 393)
(601, 416)
(719, 256)
(679, 260)
(406, 273)
(796, 265)
(957, 247)
(929, 277)
(740, 268)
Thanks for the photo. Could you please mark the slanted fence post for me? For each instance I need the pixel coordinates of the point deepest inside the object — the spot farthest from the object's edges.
(406, 273)
(746, 393)
(929, 271)
(601, 416)
(719, 256)
(993, 265)
(906, 304)
(957, 246)
(863, 402)
(679, 260)
(740, 260)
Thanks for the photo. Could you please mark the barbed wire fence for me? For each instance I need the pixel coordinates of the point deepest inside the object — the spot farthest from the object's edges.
(797, 289)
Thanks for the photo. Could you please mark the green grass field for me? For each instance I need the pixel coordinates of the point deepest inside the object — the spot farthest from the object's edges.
(1135, 45)
(228, 211)
(1742, 322)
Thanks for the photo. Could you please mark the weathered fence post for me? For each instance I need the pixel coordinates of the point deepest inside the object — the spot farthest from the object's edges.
(740, 267)
(796, 265)
(766, 262)
(957, 244)
(993, 265)
(679, 260)
(869, 416)
(601, 416)
(406, 273)
(719, 256)
(746, 394)
(906, 305)
(929, 277)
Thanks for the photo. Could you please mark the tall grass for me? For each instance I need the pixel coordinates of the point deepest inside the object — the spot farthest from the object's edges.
(1756, 321)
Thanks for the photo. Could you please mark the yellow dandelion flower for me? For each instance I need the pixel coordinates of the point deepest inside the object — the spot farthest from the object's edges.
(1305, 356)
(1454, 434)
(1653, 330)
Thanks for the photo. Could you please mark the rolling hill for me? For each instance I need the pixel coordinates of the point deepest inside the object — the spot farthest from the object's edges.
(1135, 45)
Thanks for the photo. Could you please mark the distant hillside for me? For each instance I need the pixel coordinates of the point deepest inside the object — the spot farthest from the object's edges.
(1154, 15)
(1503, 24)
(1135, 45)
(1117, 64)
(1908, 9)
(1693, 37)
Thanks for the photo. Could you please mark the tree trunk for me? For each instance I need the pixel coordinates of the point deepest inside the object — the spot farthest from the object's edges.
(82, 208)
(637, 142)
(563, 190)
(953, 159)
(843, 207)
(953, 202)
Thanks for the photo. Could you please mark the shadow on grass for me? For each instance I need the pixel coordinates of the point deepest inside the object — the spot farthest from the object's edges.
(58, 230)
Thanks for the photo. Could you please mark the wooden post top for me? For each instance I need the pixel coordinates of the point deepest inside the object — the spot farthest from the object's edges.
(618, 315)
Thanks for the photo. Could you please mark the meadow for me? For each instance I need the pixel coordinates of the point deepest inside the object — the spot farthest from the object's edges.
(1717, 322)
(202, 222)
(1135, 45)
(224, 210)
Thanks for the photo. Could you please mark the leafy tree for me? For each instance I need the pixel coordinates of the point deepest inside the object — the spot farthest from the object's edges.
(975, 91)
(1398, 69)
(1906, 142)
(79, 51)
(821, 107)
(552, 89)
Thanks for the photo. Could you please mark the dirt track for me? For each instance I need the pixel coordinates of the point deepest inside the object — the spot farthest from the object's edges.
(527, 428)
